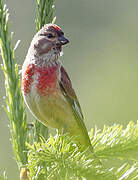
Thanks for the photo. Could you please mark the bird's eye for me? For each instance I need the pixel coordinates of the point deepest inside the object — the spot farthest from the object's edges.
(50, 35)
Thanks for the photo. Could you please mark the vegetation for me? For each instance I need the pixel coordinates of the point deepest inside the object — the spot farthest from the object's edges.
(59, 158)
(115, 148)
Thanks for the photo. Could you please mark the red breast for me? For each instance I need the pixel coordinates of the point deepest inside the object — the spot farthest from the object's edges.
(46, 78)
(28, 78)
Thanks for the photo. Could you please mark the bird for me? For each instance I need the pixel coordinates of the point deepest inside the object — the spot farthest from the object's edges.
(47, 88)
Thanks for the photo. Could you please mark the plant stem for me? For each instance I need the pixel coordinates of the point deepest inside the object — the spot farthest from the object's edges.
(14, 100)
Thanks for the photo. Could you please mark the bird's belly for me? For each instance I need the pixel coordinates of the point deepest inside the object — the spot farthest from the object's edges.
(51, 110)
(54, 111)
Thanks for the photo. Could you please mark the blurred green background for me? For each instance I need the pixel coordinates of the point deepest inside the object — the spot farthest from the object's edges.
(101, 59)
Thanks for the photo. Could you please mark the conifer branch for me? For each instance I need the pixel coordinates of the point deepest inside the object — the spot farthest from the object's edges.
(45, 12)
(116, 142)
(59, 158)
(14, 101)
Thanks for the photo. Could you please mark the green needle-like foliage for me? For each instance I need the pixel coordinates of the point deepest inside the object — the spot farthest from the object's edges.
(116, 142)
(14, 100)
(59, 158)
(45, 12)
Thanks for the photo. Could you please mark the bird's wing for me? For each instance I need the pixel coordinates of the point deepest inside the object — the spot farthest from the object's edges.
(69, 94)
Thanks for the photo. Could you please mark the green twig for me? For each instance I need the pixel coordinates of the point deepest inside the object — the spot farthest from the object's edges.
(59, 159)
(14, 100)
(45, 11)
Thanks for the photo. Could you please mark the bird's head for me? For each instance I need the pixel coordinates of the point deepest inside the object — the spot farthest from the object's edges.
(48, 41)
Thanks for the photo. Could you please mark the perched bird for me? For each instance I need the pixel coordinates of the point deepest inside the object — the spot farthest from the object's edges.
(47, 88)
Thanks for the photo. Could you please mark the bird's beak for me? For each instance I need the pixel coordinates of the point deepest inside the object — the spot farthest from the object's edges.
(63, 40)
